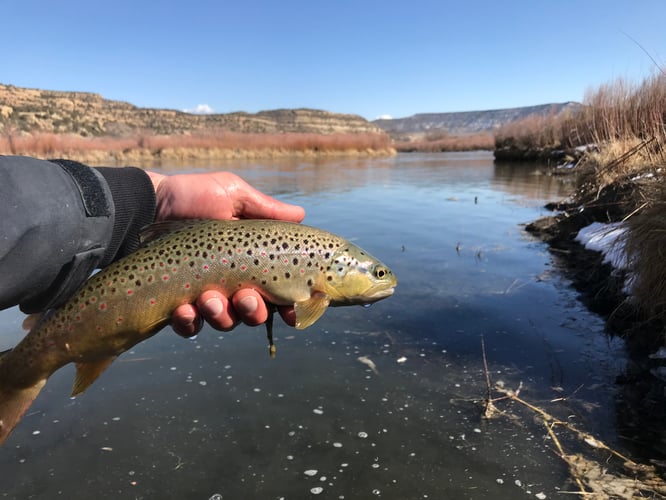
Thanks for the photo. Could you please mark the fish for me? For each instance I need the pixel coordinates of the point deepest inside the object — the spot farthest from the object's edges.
(132, 299)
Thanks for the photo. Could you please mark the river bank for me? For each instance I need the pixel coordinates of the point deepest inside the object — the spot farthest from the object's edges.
(622, 200)
(205, 146)
(180, 156)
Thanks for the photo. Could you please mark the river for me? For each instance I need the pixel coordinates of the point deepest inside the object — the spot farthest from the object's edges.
(217, 418)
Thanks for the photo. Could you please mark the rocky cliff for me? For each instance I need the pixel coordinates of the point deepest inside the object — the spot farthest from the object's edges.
(90, 115)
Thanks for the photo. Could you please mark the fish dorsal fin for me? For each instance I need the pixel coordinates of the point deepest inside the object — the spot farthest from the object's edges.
(158, 229)
(310, 310)
(87, 373)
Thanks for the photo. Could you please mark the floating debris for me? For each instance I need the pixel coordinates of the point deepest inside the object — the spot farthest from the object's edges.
(310, 472)
(363, 435)
(318, 411)
(401, 359)
(369, 363)
(316, 490)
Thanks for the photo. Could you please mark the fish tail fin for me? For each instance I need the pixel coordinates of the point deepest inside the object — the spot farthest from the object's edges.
(13, 405)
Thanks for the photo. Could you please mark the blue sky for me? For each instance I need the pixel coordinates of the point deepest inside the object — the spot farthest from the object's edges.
(367, 57)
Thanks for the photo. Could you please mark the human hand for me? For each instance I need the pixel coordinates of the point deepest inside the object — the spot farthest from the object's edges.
(220, 195)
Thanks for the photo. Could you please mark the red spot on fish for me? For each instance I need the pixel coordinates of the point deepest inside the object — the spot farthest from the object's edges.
(243, 267)
(302, 271)
(223, 280)
(71, 328)
(102, 306)
(82, 305)
(187, 286)
(185, 258)
(212, 257)
(165, 277)
(239, 250)
(205, 267)
(93, 299)
(78, 318)
(263, 253)
(225, 261)
(161, 264)
(120, 319)
(174, 269)
(153, 302)
(122, 280)
(265, 271)
(130, 292)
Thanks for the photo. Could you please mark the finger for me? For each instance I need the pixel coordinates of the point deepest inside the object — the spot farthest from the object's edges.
(214, 307)
(257, 205)
(288, 315)
(250, 306)
(186, 321)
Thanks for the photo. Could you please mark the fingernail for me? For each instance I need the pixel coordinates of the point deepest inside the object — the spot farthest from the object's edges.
(248, 305)
(213, 307)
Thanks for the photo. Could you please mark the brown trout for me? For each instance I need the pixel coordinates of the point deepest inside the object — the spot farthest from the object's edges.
(133, 298)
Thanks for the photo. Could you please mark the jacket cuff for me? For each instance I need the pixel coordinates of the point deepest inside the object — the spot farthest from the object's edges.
(135, 206)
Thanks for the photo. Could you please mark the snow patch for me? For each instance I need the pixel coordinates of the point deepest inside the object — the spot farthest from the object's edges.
(606, 238)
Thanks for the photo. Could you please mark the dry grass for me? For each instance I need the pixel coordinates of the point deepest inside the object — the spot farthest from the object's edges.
(616, 117)
(50, 145)
(645, 245)
(441, 142)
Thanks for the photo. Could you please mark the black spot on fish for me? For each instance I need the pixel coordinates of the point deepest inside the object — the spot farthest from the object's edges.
(285, 245)
(295, 261)
(287, 275)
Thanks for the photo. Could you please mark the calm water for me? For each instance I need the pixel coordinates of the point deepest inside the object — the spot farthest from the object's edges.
(194, 419)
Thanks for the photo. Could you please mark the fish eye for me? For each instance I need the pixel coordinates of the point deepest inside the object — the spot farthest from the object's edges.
(380, 272)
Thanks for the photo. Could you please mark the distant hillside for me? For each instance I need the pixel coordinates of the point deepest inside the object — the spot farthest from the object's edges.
(466, 122)
(90, 115)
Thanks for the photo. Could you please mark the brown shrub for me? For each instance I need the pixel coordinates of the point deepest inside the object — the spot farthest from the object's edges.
(441, 141)
(45, 144)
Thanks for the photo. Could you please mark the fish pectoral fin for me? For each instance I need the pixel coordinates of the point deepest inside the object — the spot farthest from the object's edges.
(310, 310)
(87, 373)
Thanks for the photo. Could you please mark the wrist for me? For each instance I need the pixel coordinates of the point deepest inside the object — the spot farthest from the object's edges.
(156, 179)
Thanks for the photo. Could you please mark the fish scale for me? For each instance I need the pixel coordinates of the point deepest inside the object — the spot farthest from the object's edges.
(132, 299)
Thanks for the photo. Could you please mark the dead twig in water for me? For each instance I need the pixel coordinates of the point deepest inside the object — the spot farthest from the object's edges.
(591, 477)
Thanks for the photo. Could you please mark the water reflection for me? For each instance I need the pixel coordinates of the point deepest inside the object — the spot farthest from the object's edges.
(216, 416)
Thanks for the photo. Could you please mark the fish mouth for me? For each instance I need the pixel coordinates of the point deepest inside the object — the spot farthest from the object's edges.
(379, 294)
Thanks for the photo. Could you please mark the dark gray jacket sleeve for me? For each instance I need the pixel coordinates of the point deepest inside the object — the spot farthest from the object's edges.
(59, 220)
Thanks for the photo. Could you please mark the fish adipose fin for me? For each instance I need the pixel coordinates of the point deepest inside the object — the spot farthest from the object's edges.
(310, 310)
(14, 403)
(87, 373)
